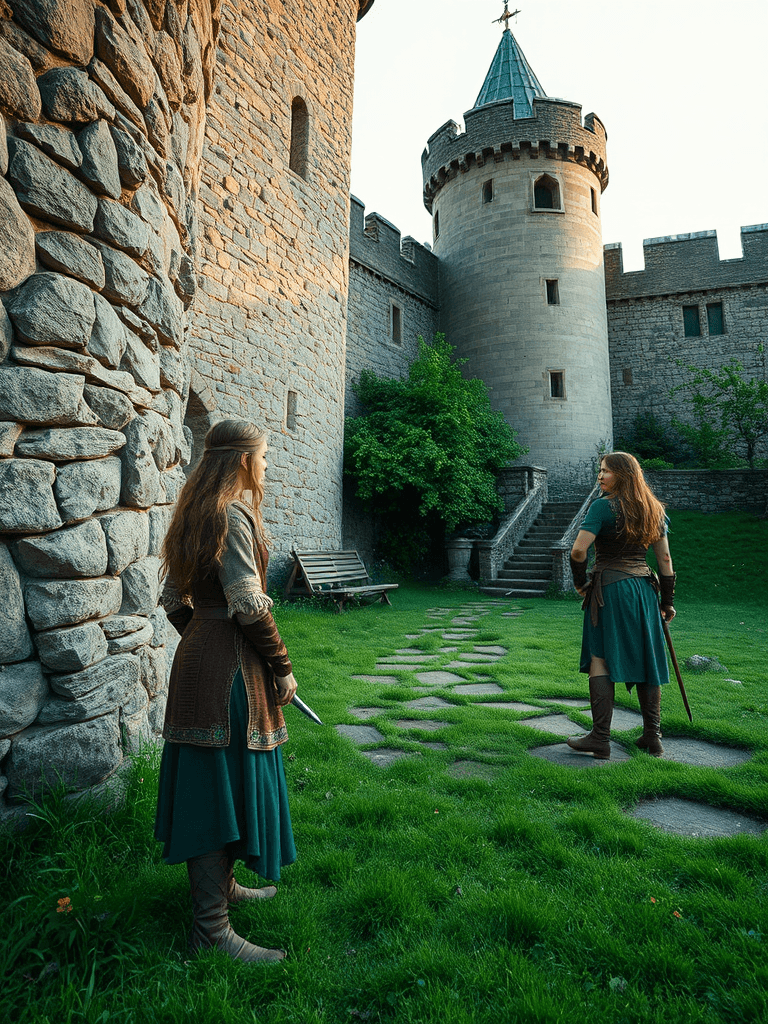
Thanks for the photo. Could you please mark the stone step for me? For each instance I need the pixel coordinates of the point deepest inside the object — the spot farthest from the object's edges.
(525, 574)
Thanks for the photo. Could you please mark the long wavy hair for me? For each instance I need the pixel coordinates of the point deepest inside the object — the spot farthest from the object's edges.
(194, 543)
(642, 512)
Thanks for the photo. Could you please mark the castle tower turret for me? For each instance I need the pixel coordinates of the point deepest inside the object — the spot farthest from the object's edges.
(515, 201)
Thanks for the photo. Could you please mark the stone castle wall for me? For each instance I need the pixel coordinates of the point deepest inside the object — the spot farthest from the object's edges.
(645, 319)
(711, 490)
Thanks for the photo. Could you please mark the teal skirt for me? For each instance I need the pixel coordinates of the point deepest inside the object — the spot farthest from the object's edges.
(215, 797)
(628, 634)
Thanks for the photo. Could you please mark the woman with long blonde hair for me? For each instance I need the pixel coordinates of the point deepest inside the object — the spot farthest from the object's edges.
(622, 637)
(222, 793)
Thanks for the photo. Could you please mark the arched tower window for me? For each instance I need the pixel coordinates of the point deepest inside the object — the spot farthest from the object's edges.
(546, 193)
(299, 137)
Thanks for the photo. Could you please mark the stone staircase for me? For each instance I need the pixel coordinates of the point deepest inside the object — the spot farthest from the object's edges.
(528, 570)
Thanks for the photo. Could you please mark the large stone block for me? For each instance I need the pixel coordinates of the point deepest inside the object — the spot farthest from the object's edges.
(173, 369)
(160, 433)
(15, 641)
(113, 409)
(141, 586)
(66, 28)
(160, 625)
(51, 309)
(66, 359)
(108, 339)
(76, 756)
(73, 648)
(47, 190)
(6, 334)
(17, 240)
(69, 254)
(130, 641)
(117, 626)
(127, 538)
(59, 143)
(125, 667)
(54, 603)
(26, 496)
(127, 58)
(154, 669)
(143, 365)
(9, 435)
(126, 282)
(119, 227)
(63, 444)
(159, 520)
(163, 309)
(99, 167)
(172, 482)
(141, 478)
(34, 396)
(70, 96)
(83, 488)
(131, 161)
(101, 74)
(77, 551)
(23, 691)
(19, 95)
(135, 724)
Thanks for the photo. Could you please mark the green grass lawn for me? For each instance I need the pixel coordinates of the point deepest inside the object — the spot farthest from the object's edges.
(521, 893)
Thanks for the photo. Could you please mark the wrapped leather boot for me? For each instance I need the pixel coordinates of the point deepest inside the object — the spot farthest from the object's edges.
(209, 882)
(598, 741)
(650, 706)
(237, 893)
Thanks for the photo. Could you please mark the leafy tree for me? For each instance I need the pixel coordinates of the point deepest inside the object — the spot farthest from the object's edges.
(730, 413)
(649, 438)
(425, 452)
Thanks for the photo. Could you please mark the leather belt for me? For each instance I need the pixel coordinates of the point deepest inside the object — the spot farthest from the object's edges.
(214, 612)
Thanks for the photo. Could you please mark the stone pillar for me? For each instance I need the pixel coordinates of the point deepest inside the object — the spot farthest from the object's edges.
(103, 117)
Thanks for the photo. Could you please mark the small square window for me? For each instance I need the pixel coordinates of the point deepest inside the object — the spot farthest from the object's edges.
(627, 375)
(691, 321)
(557, 383)
(553, 293)
(488, 191)
(715, 318)
(291, 407)
(396, 325)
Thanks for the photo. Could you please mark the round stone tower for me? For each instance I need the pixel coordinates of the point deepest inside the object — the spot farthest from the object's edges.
(515, 201)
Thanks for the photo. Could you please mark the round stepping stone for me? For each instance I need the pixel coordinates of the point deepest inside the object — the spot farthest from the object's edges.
(448, 650)
(384, 756)
(360, 733)
(410, 650)
(690, 818)
(561, 753)
(566, 702)
(384, 680)
(507, 705)
(459, 636)
(398, 659)
(366, 712)
(708, 755)
(433, 745)
(427, 724)
(469, 689)
(472, 656)
(622, 719)
(557, 724)
(493, 649)
(471, 770)
(397, 668)
(428, 702)
(438, 678)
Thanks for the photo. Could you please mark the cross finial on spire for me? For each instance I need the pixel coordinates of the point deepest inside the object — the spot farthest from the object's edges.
(505, 16)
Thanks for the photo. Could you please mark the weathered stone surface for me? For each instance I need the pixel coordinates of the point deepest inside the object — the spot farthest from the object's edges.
(127, 58)
(59, 143)
(130, 641)
(171, 482)
(101, 74)
(125, 667)
(34, 396)
(47, 190)
(53, 603)
(126, 281)
(3, 148)
(131, 161)
(99, 167)
(161, 627)
(69, 95)
(78, 755)
(5, 746)
(83, 488)
(112, 408)
(69, 254)
(164, 311)
(6, 333)
(15, 641)
(127, 537)
(161, 439)
(17, 240)
(23, 690)
(26, 497)
(154, 669)
(65, 29)
(62, 444)
(65, 359)
(71, 649)
(141, 585)
(108, 338)
(78, 551)
(9, 435)
(141, 479)
(159, 520)
(179, 141)
(175, 192)
(37, 55)
(51, 309)
(121, 625)
(118, 226)
(142, 364)
(172, 369)
(150, 206)
(19, 95)
(158, 131)
(192, 67)
(186, 281)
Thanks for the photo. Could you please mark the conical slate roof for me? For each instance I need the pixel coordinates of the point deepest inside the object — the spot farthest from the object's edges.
(510, 76)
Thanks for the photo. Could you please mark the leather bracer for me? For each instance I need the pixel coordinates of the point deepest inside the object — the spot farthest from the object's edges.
(667, 590)
(264, 637)
(579, 572)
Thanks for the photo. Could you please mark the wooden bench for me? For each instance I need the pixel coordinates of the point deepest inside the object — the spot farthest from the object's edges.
(338, 575)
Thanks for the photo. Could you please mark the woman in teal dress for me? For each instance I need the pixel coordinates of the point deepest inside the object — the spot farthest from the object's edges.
(222, 793)
(622, 638)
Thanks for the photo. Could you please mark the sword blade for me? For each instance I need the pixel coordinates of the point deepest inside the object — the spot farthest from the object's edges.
(305, 709)
(676, 667)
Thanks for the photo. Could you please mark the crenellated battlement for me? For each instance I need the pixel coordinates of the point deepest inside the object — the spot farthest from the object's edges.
(376, 243)
(687, 263)
(491, 133)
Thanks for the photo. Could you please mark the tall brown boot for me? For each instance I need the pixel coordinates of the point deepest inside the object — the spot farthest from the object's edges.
(237, 893)
(208, 880)
(598, 741)
(650, 706)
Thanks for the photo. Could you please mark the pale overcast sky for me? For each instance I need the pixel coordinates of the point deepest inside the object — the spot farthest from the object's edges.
(679, 84)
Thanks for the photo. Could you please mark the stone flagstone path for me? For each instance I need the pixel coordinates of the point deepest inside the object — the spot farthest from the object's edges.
(554, 716)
